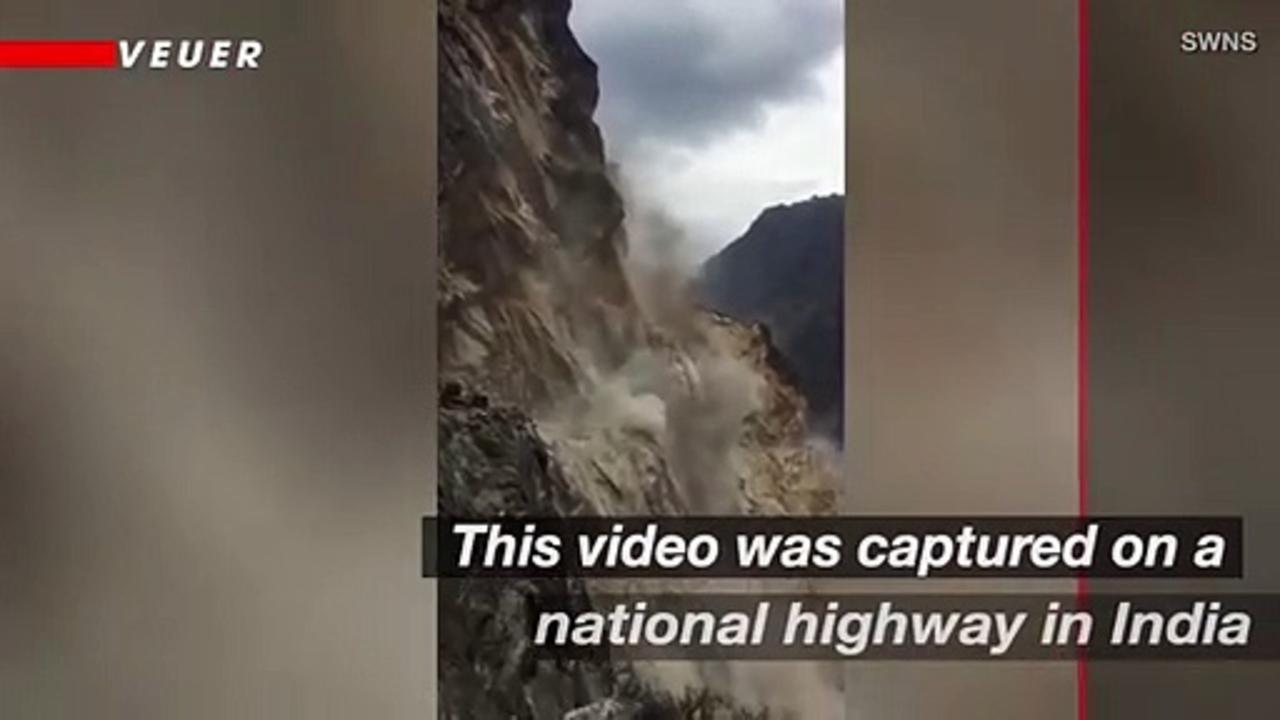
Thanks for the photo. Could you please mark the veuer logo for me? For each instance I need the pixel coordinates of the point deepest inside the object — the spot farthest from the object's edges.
(190, 54)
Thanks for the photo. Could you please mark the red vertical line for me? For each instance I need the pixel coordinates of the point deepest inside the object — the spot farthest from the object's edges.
(1082, 322)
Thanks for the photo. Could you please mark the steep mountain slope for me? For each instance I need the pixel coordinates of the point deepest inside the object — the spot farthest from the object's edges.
(562, 392)
(786, 271)
(532, 291)
(537, 307)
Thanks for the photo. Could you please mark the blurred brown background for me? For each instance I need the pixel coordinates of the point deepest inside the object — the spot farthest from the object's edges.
(1185, 304)
(961, 303)
(215, 331)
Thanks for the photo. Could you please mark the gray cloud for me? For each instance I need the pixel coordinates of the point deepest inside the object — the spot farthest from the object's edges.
(680, 72)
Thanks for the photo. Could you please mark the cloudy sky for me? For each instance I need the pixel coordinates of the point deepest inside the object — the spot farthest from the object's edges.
(718, 108)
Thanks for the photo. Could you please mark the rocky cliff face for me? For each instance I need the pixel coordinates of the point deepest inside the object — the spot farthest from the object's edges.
(534, 299)
(786, 271)
(562, 390)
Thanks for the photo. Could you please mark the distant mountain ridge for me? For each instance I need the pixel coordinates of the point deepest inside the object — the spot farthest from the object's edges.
(787, 272)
